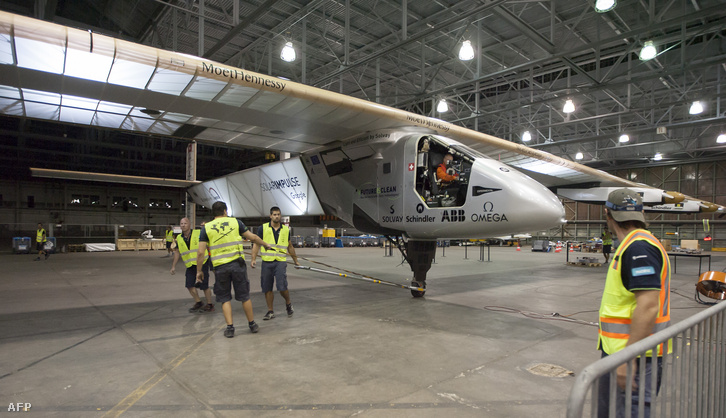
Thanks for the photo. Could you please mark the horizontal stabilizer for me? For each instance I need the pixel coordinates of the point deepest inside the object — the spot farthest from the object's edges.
(252, 192)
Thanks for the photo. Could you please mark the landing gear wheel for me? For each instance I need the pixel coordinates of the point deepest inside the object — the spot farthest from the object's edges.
(418, 293)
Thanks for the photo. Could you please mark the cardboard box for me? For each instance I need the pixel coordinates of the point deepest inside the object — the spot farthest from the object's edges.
(690, 244)
(667, 244)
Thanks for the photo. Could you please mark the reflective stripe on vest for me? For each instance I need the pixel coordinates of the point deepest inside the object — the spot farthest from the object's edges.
(225, 240)
(39, 237)
(278, 251)
(189, 254)
(618, 302)
(170, 236)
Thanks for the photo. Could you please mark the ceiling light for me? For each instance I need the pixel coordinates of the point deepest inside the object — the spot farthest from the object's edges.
(466, 53)
(696, 108)
(648, 52)
(658, 156)
(721, 139)
(602, 6)
(442, 106)
(288, 52)
(624, 138)
(526, 136)
(579, 156)
(569, 106)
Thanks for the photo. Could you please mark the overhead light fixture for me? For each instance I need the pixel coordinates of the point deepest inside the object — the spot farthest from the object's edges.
(569, 106)
(466, 53)
(602, 6)
(648, 52)
(721, 139)
(579, 156)
(696, 108)
(658, 156)
(288, 52)
(624, 138)
(442, 106)
(526, 136)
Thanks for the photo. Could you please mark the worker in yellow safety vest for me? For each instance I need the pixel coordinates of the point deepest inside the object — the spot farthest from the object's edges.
(607, 243)
(224, 237)
(274, 261)
(186, 247)
(40, 239)
(635, 302)
(169, 240)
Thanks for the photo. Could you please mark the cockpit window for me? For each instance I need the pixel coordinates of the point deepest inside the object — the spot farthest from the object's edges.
(442, 173)
(336, 162)
(471, 153)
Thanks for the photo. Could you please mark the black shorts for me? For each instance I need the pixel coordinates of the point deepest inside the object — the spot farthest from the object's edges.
(40, 246)
(191, 275)
(606, 249)
(232, 274)
(168, 245)
(273, 272)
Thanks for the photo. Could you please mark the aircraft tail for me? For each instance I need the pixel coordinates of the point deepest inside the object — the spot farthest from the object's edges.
(252, 192)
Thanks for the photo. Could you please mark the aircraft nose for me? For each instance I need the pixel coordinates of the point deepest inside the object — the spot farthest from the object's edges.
(527, 204)
(538, 204)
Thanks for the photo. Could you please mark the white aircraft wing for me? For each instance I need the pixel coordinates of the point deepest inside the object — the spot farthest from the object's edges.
(53, 72)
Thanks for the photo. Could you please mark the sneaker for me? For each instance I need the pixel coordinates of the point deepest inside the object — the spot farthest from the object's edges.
(207, 308)
(290, 311)
(254, 327)
(197, 306)
(229, 332)
(269, 315)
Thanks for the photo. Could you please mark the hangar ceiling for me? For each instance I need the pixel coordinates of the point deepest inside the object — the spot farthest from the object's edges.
(531, 56)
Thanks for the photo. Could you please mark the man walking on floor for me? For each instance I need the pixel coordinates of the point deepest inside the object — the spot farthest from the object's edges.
(224, 237)
(274, 261)
(187, 244)
(169, 234)
(40, 240)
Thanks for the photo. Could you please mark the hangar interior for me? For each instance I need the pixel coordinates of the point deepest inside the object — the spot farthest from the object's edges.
(530, 58)
(110, 333)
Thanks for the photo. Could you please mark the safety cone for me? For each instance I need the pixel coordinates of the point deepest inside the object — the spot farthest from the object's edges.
(558, 248)
(572, 248)
(518, 249)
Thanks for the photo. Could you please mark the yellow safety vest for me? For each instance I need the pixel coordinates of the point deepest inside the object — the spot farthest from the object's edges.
(618, 303)
(278, 251)
(170, 235)
(189, 254)
(607, 239)
(40, 237)
(225, 240)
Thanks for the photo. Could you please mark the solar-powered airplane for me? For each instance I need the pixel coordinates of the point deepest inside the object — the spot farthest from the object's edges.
(371, 165)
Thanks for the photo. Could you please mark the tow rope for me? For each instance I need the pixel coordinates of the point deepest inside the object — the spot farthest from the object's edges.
(361, 277)
(351, 275)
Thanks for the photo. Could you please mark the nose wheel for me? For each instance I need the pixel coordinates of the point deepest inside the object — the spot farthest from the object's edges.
(418, 293)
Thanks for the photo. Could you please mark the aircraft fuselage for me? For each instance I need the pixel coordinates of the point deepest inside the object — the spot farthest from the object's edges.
(386, 182)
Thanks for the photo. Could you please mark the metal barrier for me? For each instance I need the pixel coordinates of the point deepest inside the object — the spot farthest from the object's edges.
(693, 377)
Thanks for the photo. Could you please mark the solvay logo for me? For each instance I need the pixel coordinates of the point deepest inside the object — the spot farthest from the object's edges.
(19, 407)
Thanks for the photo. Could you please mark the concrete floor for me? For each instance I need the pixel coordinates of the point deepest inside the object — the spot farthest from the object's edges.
(108, 334)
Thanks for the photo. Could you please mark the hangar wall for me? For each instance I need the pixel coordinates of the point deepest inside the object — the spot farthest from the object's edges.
(89, 211)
